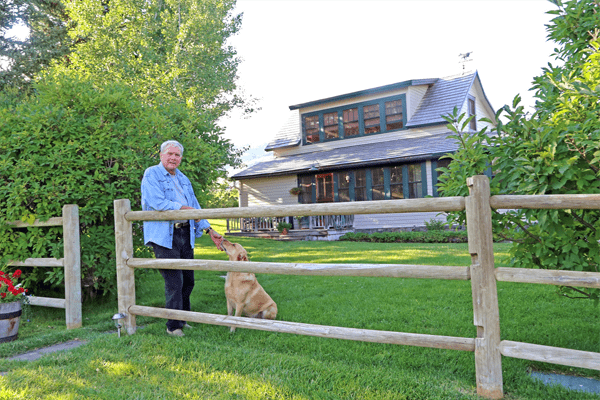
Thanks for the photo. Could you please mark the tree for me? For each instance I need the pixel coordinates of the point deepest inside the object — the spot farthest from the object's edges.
(48, 24)
(142, 72)
(553, 151)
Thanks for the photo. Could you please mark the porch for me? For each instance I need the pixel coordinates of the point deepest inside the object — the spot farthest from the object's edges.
(316, 227)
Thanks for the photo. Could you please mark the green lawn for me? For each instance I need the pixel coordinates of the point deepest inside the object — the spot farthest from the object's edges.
(211, 363)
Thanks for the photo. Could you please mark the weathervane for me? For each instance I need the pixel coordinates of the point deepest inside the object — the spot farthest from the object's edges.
(465, 59)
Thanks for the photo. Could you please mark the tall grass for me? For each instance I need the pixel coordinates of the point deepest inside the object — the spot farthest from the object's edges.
(211, 363)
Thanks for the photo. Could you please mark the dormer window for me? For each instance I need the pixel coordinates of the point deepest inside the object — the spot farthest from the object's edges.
(351, 122)
(330, 123)
(372, 121)
(393, 115)
(367, 118)
(311, 129)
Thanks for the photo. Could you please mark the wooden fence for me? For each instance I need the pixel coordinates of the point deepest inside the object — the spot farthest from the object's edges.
(71, 262)
(487, 346)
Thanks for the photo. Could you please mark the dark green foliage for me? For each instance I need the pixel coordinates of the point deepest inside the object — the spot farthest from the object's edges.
(435, 236)
(75, 143)
(48, 39)
(555, 150)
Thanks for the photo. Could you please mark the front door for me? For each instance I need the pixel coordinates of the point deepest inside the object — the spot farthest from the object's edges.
(324, 188)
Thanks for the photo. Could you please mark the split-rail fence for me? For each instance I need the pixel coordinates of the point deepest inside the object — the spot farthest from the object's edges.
(71, 262)
(487, 346)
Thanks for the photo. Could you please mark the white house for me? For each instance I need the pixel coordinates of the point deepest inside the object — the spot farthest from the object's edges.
(375, 144)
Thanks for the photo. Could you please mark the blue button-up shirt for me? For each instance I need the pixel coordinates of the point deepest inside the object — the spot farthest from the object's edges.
(158, 194)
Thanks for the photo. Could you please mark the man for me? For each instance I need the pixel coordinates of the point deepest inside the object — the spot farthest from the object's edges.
(164, 188)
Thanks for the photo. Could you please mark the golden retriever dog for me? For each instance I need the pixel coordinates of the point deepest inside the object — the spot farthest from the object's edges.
(242, 290)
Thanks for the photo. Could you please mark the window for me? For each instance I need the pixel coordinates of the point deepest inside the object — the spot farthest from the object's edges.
(382, 115)
(472, 111)
(360, 185)
(343, 186)
(415, 187)
(396, 186)
(351, 122)
(330, 124)
(378, 184)
(393, 115)
(306, 185)
(324, 188)
(311, 128)
(371, 118)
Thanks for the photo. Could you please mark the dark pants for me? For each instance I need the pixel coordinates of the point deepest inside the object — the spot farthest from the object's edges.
(178, 283)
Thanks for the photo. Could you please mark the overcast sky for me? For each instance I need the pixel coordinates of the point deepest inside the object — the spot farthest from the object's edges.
(296, 51)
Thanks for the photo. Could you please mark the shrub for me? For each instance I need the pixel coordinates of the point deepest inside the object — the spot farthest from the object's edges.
(408, 237)
(76, 143)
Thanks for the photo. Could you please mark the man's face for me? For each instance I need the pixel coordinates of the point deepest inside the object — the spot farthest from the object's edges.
(171, 158)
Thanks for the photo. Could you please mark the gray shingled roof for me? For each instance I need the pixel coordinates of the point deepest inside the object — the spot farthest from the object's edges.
(441, 99)
(401, 150)
(289, 135)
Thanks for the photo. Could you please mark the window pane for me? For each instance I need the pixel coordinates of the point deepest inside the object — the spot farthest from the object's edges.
(306, 185)
(377, 184)
(343, 186)
(330, 120)
(311, 128)
(415, 187)
(371, 116)
(393, 115)
(360, 185)
(350, 122)
(396, 187)
(473, 123)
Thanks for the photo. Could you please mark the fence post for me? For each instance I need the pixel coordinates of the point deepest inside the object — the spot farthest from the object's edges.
(72, 266)
(488, 360)
(125, 274)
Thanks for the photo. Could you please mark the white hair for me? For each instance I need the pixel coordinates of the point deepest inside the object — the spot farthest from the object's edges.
(171, 143)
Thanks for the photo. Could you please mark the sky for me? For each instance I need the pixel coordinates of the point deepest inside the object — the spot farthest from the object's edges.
(295, 51)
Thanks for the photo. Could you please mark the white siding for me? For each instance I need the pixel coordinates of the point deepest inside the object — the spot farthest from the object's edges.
(268, 191)
(390, 221)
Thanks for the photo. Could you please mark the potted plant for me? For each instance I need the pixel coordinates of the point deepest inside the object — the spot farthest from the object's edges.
(283, 227)
(295, 191)
(11, 295)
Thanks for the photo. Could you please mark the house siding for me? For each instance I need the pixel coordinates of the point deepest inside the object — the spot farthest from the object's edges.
(268, 191)
(413, 99)
(406, 221)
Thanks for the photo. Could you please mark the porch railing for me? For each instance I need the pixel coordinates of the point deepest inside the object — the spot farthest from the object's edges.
(256, 224)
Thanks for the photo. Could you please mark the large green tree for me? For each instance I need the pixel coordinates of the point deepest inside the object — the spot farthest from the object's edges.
(556, 150)
(141, 72)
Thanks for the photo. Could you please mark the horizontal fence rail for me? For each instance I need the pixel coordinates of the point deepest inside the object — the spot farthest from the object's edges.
(483, 275)
(332, 332)
(71, 263)
(373, 270)
(437, 204)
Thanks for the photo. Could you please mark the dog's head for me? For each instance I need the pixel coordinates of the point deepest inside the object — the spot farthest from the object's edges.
(234, 251)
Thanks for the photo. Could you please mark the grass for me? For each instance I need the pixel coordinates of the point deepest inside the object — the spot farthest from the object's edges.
(211, 363)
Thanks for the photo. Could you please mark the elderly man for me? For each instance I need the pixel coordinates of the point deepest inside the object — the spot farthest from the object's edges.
(164, 188)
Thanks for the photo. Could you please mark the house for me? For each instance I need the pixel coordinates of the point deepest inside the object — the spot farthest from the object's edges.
(375, 144)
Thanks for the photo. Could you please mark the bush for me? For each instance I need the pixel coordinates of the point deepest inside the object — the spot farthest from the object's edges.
(408, 237)
(76, 143)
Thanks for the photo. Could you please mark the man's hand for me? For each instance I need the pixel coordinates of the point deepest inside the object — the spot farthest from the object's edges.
(216, 238)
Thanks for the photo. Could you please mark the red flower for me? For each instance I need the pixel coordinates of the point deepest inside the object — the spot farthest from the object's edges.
(17, 273)
(3, 295)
